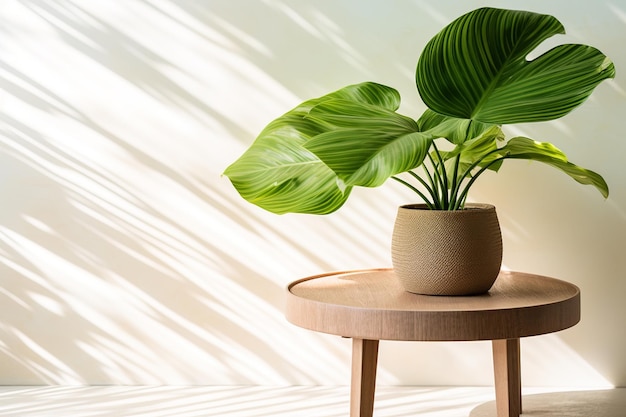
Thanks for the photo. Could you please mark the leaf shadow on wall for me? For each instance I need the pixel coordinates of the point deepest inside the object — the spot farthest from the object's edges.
(94, 274)
(168, 277)
(99, 280)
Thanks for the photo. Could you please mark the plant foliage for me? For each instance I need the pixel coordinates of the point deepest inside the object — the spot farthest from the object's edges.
(474, 77)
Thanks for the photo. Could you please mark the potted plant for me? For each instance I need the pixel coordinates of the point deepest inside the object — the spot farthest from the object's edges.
(474, 77)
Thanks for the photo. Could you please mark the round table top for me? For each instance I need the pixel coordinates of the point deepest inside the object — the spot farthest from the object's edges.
(371, 304)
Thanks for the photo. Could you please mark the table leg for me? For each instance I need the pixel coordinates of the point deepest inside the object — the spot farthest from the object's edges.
(506, 364)
(364, 359)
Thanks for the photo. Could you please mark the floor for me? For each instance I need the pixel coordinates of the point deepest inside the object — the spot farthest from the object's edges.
(117, 401)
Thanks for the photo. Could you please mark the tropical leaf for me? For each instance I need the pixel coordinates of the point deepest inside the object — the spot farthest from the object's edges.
(454, 129)
(371, 143)
(525, 148)
(280, 175)
(473, 154)
(474, 76)
(476, 68)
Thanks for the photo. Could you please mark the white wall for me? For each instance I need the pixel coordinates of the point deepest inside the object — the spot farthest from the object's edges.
(125, 257)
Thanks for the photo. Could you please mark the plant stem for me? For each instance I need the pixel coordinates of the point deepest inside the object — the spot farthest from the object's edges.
(455, 182)
(424, 184)
(465, 191)
(422, 196)
(443, 178)
(434, 186)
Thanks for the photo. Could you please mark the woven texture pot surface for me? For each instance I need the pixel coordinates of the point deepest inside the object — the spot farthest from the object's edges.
(438, 252)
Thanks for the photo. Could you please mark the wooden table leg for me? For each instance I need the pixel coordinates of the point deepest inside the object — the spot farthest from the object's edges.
(364, 359)
(506, 365)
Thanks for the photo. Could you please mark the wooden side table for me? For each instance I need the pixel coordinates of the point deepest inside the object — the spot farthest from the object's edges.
(369, 306)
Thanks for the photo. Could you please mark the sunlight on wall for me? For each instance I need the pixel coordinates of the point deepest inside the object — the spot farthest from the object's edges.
(126, 258)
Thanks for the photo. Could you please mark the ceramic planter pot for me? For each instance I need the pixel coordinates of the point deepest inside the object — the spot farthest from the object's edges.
(438, 252)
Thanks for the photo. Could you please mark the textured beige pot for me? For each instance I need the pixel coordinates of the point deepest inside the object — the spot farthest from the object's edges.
(438, 252)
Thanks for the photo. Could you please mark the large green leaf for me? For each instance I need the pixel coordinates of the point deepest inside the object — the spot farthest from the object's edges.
(371, 143)
(473, 154)
(474, 141)
(454, 129)
(477, 68)
(280, 175)
(525, 148)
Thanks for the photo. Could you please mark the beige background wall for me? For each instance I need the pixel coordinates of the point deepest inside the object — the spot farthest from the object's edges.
(126, 259)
